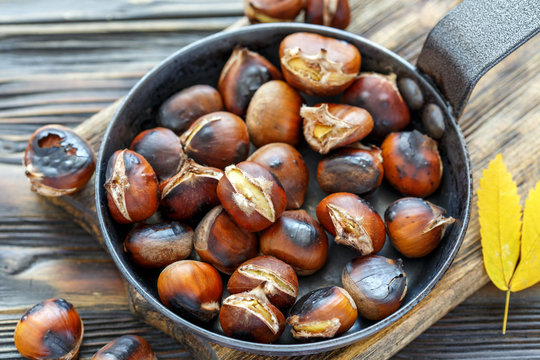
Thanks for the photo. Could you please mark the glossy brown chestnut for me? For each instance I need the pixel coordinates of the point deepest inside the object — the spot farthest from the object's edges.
(132, 187)
(251, 195)
(412, 164)
(158, 245)
(377, 285)
(265, 11)
(297, 239)
(242, 75)
(58, 161)
(273, 114)
(222, 243)
(334, 13)
(318, 65)
(356, 169)
(415, 226)
(288, 166)
(279, 281)
(191, 288)
(51, 329)
(353, 222)
(250, 316)
(322, 313)
(217, 139)
(127, 347)
(180, 110)
(329, 126)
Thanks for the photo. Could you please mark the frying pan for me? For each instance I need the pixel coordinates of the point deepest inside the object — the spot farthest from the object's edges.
(459, 50)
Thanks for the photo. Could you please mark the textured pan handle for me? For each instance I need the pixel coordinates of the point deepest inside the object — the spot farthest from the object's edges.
(471, 39)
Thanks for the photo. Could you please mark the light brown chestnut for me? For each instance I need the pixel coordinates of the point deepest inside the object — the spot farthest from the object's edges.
(127, 347)
(334, 13)
(265, 11)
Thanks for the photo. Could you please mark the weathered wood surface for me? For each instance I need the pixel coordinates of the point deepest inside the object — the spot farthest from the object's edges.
(67, 60)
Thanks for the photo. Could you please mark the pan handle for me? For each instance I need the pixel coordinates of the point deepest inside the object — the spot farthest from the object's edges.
(471, 39)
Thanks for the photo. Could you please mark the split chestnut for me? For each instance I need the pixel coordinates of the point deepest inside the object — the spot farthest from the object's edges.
(265, 11)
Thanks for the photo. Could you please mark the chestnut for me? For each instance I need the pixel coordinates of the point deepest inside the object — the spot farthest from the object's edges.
(409, 89)
(334, 13)
(191, 288)
(353, 222)
(126, 347)
(242, 75)
(288, 166)
(51, 329)
(380, 96)
(132, 187)
(297, 239)
(264, 11)
(412, 164)
(217, 139)
(250, 316)
(180, 110)
(273, 114)
(322, 313)
(280, 283)
(329, 126)
(415, 226)
(433, 121)
(318, 65)
(356, 169)
(57, 161)
(377, 285)
(158, 245)
(222, 243)
(251, 195)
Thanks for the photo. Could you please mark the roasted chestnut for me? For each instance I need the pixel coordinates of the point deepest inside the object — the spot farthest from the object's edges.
(297, 239)
(191, 288)
(51, 329)
(242, 75)
(377, 285)
(222, 243)
(217, 139)
(132, 187)
(288, 166)
(251, 195)
(58, 161)
(280, 283)
(322, 313)
(433, 121)
(334, 13)
(353, 222)
(412, 163)
(158, 245)
(356, 169)
(415, 226)
(273, 114)
(127, 347)
(318, 65)
(265, 11)
(329, 126)
(409, 89)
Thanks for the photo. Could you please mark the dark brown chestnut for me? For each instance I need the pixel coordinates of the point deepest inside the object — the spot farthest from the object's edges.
(265, 11)
(433, 121)
(242, 75)
(288, 166)
(217, 139)
(222, 243)
(51, 329)
(57, 161)
(334, 13)
(191, 288)
(322, 313)
(415, 226)
(412, 163)
(377, 285)
(158, 245)
(353, 222)
(329, 126)
(409, 89)
(127, 347)
(297, 239)
(132, 187)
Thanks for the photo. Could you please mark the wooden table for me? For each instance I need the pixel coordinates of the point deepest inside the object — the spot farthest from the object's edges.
(62, 61)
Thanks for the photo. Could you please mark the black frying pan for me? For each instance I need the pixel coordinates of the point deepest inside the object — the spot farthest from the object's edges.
(459, 50)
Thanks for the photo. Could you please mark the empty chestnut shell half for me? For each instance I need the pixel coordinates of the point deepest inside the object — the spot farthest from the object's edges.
(334, 13)
(57, 161)
(127, 347)
(265, 11)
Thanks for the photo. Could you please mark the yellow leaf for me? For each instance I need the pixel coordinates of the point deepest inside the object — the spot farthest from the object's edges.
(500, 222)
(528, 270)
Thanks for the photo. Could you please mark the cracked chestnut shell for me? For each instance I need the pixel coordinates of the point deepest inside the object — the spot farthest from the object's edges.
(265, 11)
(127, 347)
(377, 285)
(51, 329)
(57, 161)
(334, 13)
(132, 187)
(353, 222)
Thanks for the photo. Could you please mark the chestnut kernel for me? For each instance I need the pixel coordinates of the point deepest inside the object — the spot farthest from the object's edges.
(433, 121)
(265, 11)
(126, 347)
(411, 92)
(334, 13)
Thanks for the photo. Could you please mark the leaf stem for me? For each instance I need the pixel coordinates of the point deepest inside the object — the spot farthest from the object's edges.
(506, 311)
